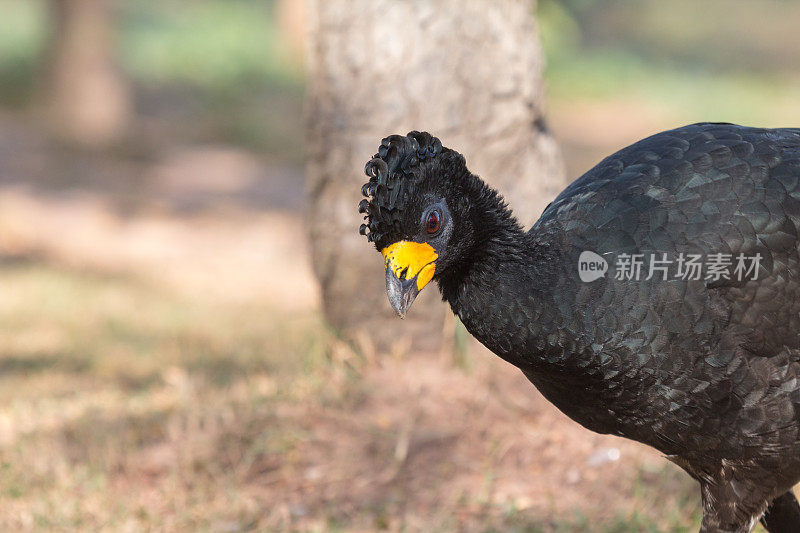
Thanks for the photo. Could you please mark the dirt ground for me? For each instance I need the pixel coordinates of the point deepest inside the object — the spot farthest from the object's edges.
(164, 261)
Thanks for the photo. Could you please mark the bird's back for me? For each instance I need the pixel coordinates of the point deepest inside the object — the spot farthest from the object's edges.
(701, 362)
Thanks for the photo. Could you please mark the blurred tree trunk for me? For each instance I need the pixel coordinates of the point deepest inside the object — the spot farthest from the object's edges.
(86, 100)
(468, 71)
(290, 16)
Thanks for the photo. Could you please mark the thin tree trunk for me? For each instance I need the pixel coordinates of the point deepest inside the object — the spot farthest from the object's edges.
(468, 71)
(86, 100)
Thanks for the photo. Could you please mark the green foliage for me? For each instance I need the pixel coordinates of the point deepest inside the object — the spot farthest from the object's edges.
(220, 46)
(217, 45)
(223, 60)
(668, 59)
(21, 41)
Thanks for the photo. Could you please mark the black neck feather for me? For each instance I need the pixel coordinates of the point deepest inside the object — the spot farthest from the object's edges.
(504, 274)
(494, 236)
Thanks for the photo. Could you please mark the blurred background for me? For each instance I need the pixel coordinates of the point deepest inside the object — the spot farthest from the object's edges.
(164, 357)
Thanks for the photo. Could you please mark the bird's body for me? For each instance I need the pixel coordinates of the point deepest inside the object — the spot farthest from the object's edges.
(704, 367)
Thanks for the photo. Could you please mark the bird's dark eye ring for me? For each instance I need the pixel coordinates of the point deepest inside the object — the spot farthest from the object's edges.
(434, 222)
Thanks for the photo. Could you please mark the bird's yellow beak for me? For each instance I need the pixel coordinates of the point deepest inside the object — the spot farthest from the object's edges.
(409, 267)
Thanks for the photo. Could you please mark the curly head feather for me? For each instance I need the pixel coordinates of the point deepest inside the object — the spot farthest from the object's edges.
(395, 174)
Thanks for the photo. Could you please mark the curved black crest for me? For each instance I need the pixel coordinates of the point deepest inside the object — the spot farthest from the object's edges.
(394, 174)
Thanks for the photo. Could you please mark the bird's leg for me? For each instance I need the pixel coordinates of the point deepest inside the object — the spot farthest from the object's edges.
(711, 524)
(724, 511)
(782, 515)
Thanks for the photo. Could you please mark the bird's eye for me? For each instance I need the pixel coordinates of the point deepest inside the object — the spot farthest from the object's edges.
(434, 222)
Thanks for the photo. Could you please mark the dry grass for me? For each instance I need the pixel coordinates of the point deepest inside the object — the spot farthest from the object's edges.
(125, 405)
(129, 408)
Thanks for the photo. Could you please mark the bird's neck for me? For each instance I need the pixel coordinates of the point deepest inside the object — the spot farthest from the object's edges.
(512, 294)
(501, 287)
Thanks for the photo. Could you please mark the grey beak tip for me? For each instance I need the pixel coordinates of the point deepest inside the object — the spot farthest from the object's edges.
(401, 292)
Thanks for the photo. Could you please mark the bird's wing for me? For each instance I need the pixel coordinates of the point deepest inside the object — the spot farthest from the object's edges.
(704, 189)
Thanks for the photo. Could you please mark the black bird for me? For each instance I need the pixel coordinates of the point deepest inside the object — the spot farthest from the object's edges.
(657, 298)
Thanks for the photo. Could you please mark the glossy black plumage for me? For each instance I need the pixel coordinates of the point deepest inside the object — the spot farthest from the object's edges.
(704, 370)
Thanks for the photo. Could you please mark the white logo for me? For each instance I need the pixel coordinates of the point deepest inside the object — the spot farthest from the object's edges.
(714, 268)
(591, 266)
